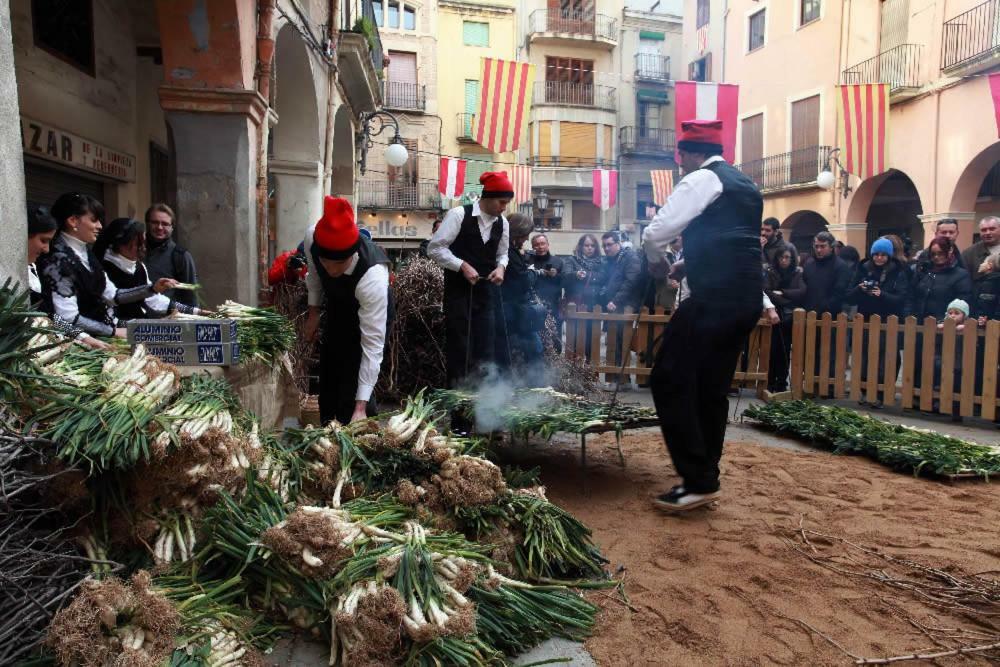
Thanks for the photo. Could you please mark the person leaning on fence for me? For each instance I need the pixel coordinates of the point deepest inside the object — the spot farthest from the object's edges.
(958, 312)
(986, 298)
(976, 257)
(881, 286)
(938, 279)
(786, 288)
(827, 277)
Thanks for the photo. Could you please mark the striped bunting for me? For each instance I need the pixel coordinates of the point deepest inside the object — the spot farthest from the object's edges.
(864, 124)
(521, 177)
(663, 185)
(505, 95)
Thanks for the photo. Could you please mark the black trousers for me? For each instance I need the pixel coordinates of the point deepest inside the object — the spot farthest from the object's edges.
(690, 380)
(339, 362)
(781, 347)
(465, 354)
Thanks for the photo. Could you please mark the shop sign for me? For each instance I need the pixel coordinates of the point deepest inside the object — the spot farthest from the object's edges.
(55, 145)
(414, 228)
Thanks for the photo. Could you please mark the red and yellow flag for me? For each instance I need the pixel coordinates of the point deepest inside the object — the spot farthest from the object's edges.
(864, 124)
(663, 185)
(504, 98)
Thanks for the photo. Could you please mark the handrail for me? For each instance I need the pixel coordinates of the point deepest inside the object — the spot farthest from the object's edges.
(899, 67)
(574, 94)
(586, 23)
(646, 140)
(795, 168)
(972, 35)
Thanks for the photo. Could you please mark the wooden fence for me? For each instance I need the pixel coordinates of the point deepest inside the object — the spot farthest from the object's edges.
(583, 339)
(902, 358)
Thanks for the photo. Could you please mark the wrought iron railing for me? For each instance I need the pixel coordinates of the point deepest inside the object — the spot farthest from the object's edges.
(972, 35)
(466, 126)
(575, 94)
(575, 162)
(646, 140)
(652, 66)
(374, 193)
(899, 67)
(777, 172)
(583, 23)
(401, 95)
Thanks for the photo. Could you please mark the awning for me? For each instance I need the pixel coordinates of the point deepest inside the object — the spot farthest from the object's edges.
(647, 95)
(651, 34)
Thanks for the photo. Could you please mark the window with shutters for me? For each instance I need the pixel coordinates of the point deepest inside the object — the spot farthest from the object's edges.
(471, 106)
(475, 166)
(402, 181)
(752, 148)
(701, 69)
(586, 215)
(65, 29)
(808, 11)
(577, 144)
(702, 17)
(573, 16)
(543, 151)
(475, 33)
(804, 164)
(756, 28)
(569, 81)
(401, 89)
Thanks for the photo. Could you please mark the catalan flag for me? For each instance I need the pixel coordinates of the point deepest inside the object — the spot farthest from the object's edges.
(505, 96)
(521, 178)
(663, 185)
(864, 125)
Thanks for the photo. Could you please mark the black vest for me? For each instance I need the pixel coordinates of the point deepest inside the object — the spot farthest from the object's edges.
(722, 245)
(343, 326)
(62, 269)
(468, 246)
(124, 280)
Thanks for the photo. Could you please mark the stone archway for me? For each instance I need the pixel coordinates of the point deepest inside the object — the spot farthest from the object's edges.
(342, 166)
(895, 208)
(295, 162)
(800, 227)
(978, 188)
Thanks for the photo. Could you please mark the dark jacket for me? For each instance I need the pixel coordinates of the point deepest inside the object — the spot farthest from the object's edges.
(169, 260)
(548, 289)
(582, 292)
(987, 297)
(622, 275)
(894, 282)
(792, 286)
(827, 281)
(972, 257)
(932, 292)
(776, 245)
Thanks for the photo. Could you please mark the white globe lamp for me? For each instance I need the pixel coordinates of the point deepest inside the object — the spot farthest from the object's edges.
(825, 179)
(396, 155)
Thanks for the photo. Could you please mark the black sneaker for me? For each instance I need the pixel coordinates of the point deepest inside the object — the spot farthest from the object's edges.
(678, 499)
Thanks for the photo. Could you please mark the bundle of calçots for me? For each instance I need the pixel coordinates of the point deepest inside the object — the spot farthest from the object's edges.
(263, 334)
(901, 447)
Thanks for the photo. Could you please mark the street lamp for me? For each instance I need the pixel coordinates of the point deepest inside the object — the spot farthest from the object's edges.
(826, 178)
(541, 200)
(373, 124)
(557, 209)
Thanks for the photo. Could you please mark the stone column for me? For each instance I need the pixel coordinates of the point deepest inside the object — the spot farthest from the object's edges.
(852, 234)
(299, 192)
(13, 222)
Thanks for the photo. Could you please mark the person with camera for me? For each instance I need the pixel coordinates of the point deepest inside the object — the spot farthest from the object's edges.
(548, 285)
(288, 268)
(521, 318)
(881, 286)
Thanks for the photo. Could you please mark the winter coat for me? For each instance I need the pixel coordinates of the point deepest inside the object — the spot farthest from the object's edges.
(894, 282)
(792, 286)
(987, 297)
(827, 281)
(584, 292)
(973, 257)
(622, 278)
(932, 292)
(549, 289)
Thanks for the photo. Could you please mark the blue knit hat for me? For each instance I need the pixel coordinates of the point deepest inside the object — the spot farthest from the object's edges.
(882, 245)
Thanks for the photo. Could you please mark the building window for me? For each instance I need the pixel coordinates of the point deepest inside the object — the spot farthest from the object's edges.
(393, 15)
(808, 11)
(701, 69)
(586, 215)
(65, 28)
(645, 207)
(756, 30)
(703, 13)
(379, 14)
(569, 81)
(409, 18)
(475, 33)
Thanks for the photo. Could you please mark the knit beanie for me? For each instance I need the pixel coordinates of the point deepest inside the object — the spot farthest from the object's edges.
(882, 245)
(701, 136)
(497, 185)
(336, 235)
(958, 304)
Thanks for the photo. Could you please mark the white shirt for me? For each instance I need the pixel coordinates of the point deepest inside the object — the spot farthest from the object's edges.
(66, 307)
(158, 303)
(372, 294)
(690, 198)
(34, 282)
(439, 249)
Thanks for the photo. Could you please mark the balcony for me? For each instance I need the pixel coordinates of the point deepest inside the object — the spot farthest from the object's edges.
(559, 26)
(971, 40)
(899, 67)
(556, 173)
(658, 142)
(404, 96)
(652, 67)
(380, 194)
(360, 55)
(788, 171)
(561, 93)
(466, 128)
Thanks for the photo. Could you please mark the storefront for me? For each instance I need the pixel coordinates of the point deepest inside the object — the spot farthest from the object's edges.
(396, 232)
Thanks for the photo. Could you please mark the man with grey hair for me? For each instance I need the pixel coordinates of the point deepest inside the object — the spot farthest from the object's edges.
(974, 257)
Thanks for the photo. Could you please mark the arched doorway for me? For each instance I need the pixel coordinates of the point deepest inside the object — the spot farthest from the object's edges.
(295, 163)
(342, 176)
(800, 227)
(978, 188)
(895, 209)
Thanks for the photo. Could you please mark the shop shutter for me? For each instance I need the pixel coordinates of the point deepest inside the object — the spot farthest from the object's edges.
(577, 144)
(43, 184)
(544, 148)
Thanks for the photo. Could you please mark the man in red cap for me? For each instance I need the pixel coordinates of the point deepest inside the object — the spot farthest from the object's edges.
(471, 245)
(349, 276)
(717, 212)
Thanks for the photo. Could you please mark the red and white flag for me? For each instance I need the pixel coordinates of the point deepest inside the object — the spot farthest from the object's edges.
(605, 188)
(663, 185)
(702, 36)
(451, 182)
(521, 178)
(710, 101)
(995, 91)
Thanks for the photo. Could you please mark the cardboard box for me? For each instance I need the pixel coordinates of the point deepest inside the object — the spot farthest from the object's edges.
(181, 332)
(196, 354)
